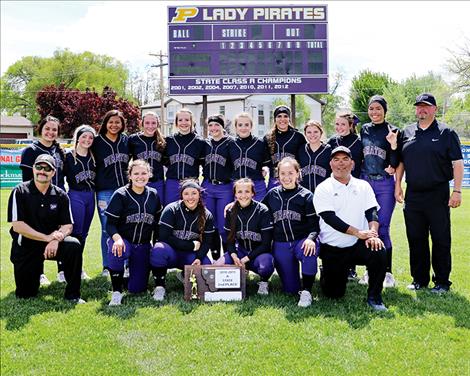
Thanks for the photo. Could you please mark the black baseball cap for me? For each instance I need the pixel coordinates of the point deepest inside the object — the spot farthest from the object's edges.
(426, 98)
(340, 149)
(281, 110)
(47, 159)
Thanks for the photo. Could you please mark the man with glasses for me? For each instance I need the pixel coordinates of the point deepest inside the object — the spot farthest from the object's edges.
(41, 224)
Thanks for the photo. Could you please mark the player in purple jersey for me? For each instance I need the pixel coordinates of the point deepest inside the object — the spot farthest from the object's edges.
(133, 214)
(80, 172)
(149, 145)
(250, 155)
(48, 130)
(295, 231)
(217, 172)
(249, 226)
(283, 140)
(185, 153)
(185, 232)
(111, 153)
(379, 142)
(314, 157)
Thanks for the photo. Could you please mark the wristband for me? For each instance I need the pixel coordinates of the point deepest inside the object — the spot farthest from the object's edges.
(456, 191)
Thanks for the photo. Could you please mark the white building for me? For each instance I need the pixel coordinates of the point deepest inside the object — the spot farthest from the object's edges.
(14, 128)
(260, 107)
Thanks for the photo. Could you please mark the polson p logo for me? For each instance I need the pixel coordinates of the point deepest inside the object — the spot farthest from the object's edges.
(53, 206)
(183, 13)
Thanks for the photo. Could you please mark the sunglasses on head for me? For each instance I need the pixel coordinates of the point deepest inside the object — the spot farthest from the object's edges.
(46, 168)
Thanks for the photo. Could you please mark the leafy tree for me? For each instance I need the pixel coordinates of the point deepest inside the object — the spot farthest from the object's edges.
(364, 86)
(458, 116)
(25, 78)
(459, 64)
(74, 107)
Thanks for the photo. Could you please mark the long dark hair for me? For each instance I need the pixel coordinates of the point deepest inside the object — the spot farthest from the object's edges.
(41, 125)
(201, 208)
(236, 206)
(271, 136)
(159, 139)
(107, 116)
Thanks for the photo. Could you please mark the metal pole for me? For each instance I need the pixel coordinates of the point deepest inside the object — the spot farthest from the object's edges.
(292, 107)
(204, 115)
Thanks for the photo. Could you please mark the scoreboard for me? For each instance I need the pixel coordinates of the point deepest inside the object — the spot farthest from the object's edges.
(246, 50)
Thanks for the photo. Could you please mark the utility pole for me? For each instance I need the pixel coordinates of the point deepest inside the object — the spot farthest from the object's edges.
(162, 87)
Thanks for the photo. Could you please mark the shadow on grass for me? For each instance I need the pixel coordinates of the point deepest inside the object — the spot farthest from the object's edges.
(351, 309)
(18, 312)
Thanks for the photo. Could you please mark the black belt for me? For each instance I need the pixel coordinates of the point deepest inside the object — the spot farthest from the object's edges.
(218, 182)
(378, 177)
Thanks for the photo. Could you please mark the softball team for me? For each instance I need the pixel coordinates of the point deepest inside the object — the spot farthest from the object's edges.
(263, 229)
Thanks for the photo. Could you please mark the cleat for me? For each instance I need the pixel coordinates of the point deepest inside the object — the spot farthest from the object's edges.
(84, 276)
(389, 280)
(263, 288)
(43, 280)
(159, 293)
(415, 286)
(305, 299)
(116, 298)
(365, 279)
(440, 289)
(61, 277)
(377, 304)
(105, 273)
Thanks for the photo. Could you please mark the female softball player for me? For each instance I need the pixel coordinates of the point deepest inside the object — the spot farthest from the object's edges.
(379, 142)
(249, 226)
(346, 135)
(185, 152)
(217, 171)
(80, 172)
(133, 214)
(249, 154)
(314, 157)
(149, 145)
(185, 233)
(283, 141)
(111, 153)
(295, 231)
(48, 130)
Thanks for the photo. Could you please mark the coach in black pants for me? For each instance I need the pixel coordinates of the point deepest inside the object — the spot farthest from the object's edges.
(349, 230)
(41, 223)
(430, 156)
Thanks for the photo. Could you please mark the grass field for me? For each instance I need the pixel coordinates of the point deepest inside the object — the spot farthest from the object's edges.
(421, 334)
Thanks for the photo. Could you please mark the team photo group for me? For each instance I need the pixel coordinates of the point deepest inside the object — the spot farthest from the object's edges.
(297, 202)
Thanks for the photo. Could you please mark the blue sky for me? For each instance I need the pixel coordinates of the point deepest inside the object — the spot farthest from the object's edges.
(398, 38)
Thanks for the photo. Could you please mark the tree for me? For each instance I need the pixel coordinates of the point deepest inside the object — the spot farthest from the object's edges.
(331, 103)
(458, 115)
(459, 64)
(25, 78)
(364, 86)
(74, 107)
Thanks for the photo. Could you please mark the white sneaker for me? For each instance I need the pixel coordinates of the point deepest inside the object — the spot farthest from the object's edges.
(105, 273)
(116, 298)
(61, 277)
(159, 293)
(389, 281)
(126, 272)
(43, 280)
(305, 299)
(84, 276)
(263, 288)
(365, 279)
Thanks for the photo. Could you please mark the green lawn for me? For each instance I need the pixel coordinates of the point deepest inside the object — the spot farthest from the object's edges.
(421, 334)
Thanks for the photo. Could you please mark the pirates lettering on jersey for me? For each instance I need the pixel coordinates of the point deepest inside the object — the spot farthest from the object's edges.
(215, 158)
(150, 154)
(249, 235)
(290, 215)
(85, 176)
(140, 218)
(248, 162)
(185, 235)
(116, 158)
(184, 158)
(314, 169)
(374, 150)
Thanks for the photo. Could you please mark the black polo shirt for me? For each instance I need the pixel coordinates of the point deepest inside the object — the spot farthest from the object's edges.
(427, 155)
(44, 213)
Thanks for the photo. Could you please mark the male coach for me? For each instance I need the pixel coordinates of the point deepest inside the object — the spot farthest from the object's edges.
(349, 230)
(430, 157)
(41, 224)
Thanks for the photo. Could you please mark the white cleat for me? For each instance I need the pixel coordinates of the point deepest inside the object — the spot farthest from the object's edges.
(305, 299)
(263, 288)
(61, 277)
(43, 280)
(116, 298)
(84, 276)
(365, 279)
(159, 293)
(389, 280)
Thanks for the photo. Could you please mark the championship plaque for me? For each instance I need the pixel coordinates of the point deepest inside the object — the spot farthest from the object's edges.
(209, 283)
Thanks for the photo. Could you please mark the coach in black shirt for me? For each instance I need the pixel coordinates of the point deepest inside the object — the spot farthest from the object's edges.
(430, 157)
(41, 224)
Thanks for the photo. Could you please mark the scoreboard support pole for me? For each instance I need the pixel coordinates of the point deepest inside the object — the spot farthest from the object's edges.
(292, 107)
(204, 115)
